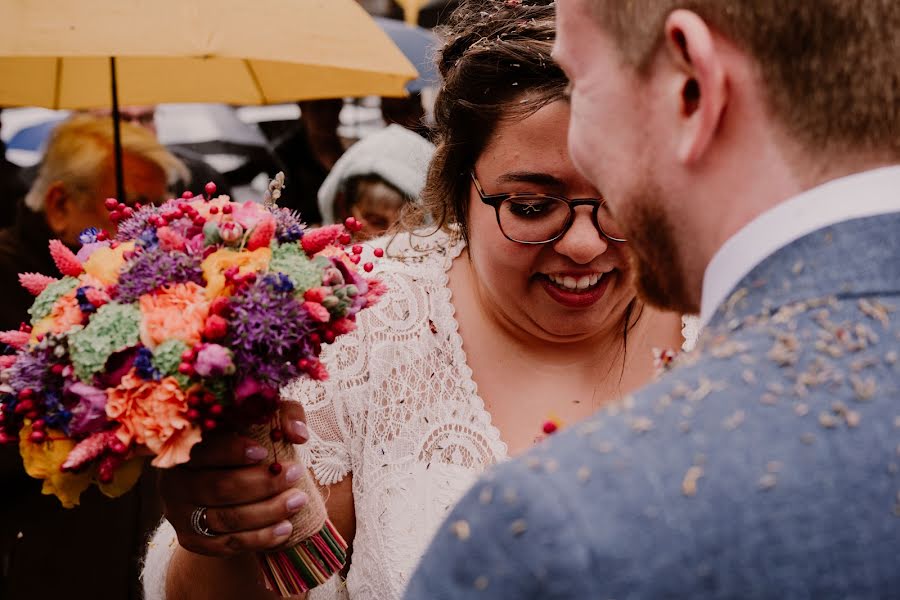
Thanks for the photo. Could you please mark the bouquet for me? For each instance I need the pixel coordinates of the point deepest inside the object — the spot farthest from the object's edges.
(186, 321)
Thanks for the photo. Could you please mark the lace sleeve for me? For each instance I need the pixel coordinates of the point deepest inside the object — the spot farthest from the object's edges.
(327, 453)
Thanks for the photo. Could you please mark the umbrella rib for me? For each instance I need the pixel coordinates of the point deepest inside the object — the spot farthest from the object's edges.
(255, 79)
(58, 83)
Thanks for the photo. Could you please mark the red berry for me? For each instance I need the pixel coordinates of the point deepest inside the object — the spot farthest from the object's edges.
(26, 393)
(368, 267)
(188, 355)
(215, 327)
(208, 398)
(355, 259)
(102, 236)
(315, 338)
(23, 407)
(210, 188)
(37, 437)
(216, 409)
(111, 203)
(379, 252)
(187, 194)
(209, 424)
(303, 363)
(277, 435)
(357, 249)
(275, 468)
(38, 425)
(186, 369)
(329, 336)
(550, 427)
(213, 210)
(115, 216)
(226, 210)
(344, 238)
(193, 414)
(118, 447)
(193, 400)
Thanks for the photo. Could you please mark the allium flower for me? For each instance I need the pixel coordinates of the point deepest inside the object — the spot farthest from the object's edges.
(266, 329)
(132, 228)
(154, 269)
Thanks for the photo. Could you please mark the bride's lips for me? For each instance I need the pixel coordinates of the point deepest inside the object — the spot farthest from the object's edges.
(576, 298)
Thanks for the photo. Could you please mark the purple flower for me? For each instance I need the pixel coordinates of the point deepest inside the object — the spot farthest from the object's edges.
(88, 408)
(117, 366)
(267, 329)
(153, 269)
(131, 228)
(288, 225)
(214, 360)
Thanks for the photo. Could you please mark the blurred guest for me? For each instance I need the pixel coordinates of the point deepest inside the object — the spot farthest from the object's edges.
(199, 172)
(308, 151)
(375, 179)
(12, 188)
(90, 551)
(407, 112)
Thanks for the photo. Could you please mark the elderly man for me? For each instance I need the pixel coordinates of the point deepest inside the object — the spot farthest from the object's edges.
(751, 151)
(90, 551)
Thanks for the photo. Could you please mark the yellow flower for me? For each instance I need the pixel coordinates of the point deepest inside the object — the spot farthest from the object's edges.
(105, 263)
(218, 262)
(43, 461)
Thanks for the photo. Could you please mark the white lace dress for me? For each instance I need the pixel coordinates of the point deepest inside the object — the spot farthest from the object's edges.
(402, 413)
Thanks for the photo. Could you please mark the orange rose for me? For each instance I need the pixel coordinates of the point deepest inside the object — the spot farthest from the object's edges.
(173, 312)
(153, 413)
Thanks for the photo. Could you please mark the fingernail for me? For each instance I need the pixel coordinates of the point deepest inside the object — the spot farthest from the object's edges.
(282, 529)
(256, 453)
(293, 473)
(300, 429)
(296, 501)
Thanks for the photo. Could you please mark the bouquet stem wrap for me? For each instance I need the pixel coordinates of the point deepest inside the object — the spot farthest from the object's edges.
(315, 550)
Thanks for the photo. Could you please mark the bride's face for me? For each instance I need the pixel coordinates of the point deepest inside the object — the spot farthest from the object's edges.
(573, 288)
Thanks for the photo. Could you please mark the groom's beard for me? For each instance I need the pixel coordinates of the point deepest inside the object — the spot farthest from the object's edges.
(655, 255)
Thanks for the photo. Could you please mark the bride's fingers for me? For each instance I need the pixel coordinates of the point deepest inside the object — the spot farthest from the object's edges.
(248, 517)
(233, 544)
(227, 450)
(245, 485)
(293, 422)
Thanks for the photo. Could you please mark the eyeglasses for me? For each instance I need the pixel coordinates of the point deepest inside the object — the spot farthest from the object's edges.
(529, 218)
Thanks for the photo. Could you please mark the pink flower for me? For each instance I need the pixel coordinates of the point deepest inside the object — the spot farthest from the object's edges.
(89, 414)
(214, 360)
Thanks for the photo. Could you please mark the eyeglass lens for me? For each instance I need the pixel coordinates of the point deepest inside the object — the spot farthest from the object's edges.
(539, 219)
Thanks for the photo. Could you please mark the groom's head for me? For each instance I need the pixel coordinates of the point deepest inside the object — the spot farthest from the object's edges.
(694, 116)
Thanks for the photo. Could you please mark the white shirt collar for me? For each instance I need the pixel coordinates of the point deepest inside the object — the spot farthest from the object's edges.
(866, 194)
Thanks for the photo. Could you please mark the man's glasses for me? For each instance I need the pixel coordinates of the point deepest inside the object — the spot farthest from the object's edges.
(529, 218)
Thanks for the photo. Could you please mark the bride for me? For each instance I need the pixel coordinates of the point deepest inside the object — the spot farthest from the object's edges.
(518, 308)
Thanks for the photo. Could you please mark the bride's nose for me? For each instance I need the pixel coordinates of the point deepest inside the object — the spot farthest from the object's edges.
(583, 242)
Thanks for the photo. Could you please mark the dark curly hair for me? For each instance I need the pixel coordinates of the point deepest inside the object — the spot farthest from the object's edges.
(495, 65)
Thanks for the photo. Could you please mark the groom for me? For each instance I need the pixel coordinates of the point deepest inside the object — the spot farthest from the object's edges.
(752, 149)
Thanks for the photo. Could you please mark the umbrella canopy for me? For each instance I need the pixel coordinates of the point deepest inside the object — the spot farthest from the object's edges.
(419, 45)
(56, 54)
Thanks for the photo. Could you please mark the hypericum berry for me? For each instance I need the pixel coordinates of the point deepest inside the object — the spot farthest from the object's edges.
(355, 259)
(38, 425)
(344, 238)
(111, 204)
(187, 194)
(275, 468)
(550, 427)
(379, 252)
(213, 210)
(186, 369)
(210, 189)
(276, 435)
(216, 410)
(226, 210)
(357, 249)
(209, 424)
(38, 437)
(193, 414)
(368, 267)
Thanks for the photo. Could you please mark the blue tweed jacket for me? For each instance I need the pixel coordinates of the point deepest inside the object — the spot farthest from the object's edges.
(765, 465)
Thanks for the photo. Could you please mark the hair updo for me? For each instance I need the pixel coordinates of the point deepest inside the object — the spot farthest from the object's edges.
(495, 65)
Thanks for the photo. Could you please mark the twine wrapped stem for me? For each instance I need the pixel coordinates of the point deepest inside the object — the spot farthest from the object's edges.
(315, 550)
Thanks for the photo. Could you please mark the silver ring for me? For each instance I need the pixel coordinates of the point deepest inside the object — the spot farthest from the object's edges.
(199, 523)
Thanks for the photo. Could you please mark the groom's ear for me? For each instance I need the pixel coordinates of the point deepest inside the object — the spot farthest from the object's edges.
(700, 83)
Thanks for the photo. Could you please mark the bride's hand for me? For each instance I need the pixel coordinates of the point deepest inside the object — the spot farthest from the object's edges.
(247, 508)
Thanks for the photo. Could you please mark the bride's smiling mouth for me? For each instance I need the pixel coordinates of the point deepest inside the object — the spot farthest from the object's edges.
(576, 290)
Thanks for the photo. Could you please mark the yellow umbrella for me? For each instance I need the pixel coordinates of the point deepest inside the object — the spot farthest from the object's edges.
(94, 53)
(56, 53)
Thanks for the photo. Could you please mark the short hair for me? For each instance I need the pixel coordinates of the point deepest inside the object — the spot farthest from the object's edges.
(831, 68)
(80, 151)
(495, 65)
